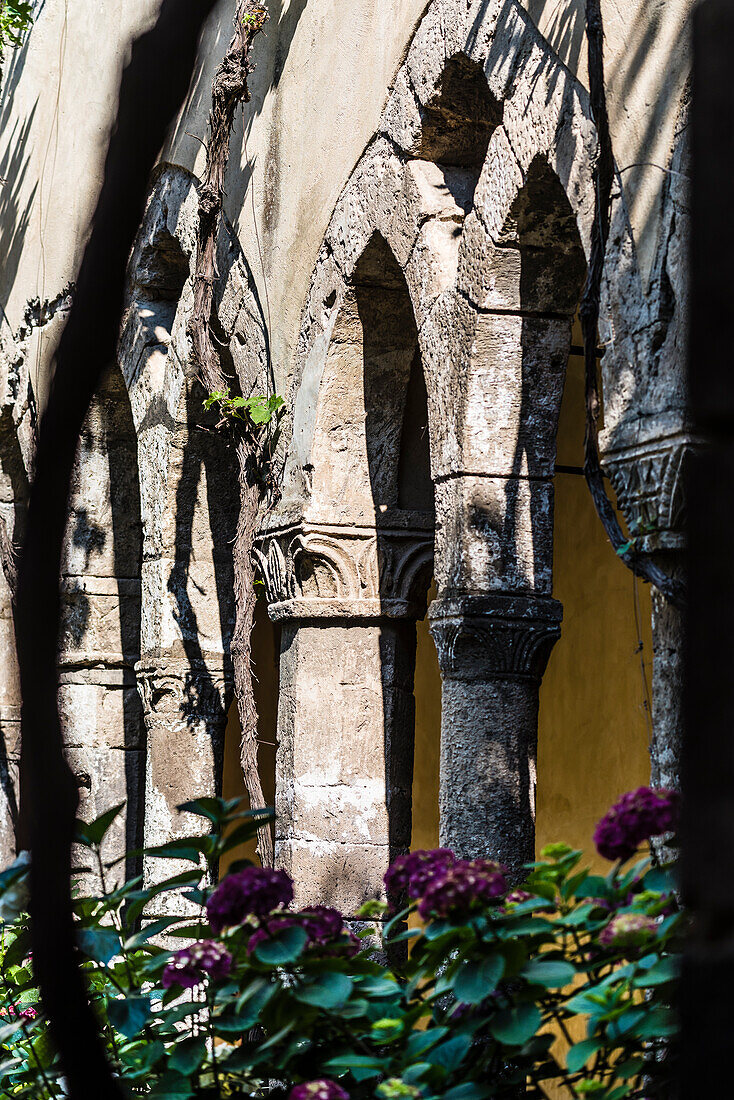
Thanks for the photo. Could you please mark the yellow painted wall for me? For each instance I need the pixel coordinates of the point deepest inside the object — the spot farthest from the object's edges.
(427, 738)
(593, 737)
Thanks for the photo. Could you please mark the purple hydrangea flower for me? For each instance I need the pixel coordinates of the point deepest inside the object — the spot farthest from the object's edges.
(414, 871)
(189, 966)
(464, 885)
(322, 1089)
(255, 891)
(628, 930)
(637, 816)
(323, 926)
(29, 1013)
(518, 896)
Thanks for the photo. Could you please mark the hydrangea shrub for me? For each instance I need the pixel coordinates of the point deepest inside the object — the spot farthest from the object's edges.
(567, 980)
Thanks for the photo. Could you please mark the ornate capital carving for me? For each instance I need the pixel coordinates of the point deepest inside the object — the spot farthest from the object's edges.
(649, 478)
(176, 692)
(318, 570)
(495, 636)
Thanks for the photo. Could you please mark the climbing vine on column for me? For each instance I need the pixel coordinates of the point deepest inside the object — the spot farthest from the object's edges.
(250, 421)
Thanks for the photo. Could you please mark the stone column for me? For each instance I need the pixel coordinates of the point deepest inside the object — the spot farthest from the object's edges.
(99, 705)
(647, 467)
(492, 650)
(185, 715)
(348, 599)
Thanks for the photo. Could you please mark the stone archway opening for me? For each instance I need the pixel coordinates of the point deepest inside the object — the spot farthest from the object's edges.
(349, 582)
(460, 118)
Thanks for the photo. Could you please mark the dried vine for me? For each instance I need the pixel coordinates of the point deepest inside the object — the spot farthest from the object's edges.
(639, 563)
(251, 441)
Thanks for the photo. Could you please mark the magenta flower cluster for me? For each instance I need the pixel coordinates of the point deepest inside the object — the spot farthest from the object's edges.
(189, 966)
(253, 892)
(637, 816)
(466, 884)
(412, 873)
(446, 886)
(323, 926)
(323, 1089)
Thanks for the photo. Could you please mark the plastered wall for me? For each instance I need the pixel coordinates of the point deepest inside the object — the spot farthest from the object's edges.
(322, 76)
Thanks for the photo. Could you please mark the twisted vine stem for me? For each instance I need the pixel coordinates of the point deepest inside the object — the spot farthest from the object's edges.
(640, 564)
(251, 442)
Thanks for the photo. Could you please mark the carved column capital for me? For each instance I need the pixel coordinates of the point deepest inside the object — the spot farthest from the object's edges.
(648, 473)
(329, 571)
(500, 636)
(181, 694)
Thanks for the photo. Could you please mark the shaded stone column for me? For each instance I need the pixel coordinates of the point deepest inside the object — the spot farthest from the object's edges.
(348, 599)
(492, 650)
(185, 715)
(647, 466)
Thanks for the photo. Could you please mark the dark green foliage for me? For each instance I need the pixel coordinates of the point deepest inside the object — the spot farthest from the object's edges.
(529, 989)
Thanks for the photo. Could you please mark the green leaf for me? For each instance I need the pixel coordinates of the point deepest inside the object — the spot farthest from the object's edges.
(44, 1049)
(658, 1024)
(328, 990)
(347, 1061)
(99, 944)
(172, 1086)
(188, 847)
(256, 996)
(129, 1015)
(214, 809)
(551, 974)
(514, 1026)
(452, 1053)
(470, 1090)
(153, 929)
(422, 1041)
(476, 980)
(285, 947)
(666, 970)
(416, 1072)
(18, 950)
(579, 1054)
(93, 834)
(374, 985)
(188, 1055)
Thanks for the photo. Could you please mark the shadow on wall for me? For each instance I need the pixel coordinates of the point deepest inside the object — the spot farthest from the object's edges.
(265, 675)
(281, 28)
(15, 212)
(100, 641)
(540, 236)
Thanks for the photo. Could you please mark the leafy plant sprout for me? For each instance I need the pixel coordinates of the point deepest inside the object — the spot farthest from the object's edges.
(258, 410)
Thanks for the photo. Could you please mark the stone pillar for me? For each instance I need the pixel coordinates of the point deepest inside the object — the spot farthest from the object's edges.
(99, 643)
(492, 650)
(99, 705)
(647, 467)
(185, 715)
(348, 599)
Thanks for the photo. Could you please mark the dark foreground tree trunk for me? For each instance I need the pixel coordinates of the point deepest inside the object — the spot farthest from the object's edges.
(153, 88)
(707, 988)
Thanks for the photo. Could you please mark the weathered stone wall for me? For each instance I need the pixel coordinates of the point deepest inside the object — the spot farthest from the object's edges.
(408, 212)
